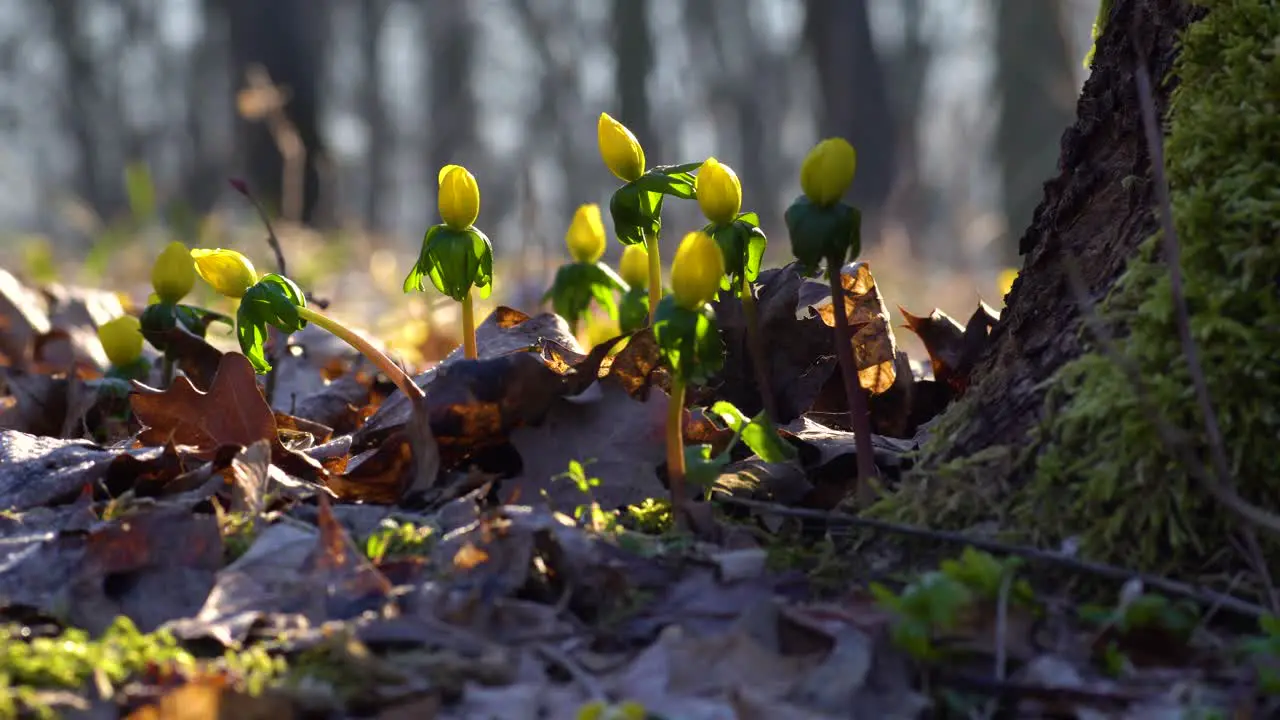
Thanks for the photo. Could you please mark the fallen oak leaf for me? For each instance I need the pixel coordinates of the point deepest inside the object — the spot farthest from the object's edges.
(233, 410)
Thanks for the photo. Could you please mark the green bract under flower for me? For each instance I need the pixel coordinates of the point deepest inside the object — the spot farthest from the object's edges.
(636, 207)
(274, 300)
(832, 233)
(455, 261)
(577, 284)
(742, 243)
(688, 340)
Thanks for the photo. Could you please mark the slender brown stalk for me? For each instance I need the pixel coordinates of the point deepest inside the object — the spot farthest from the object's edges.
(469, 350)
(655, 274)
(756, 345)
(675, 447)
(376, 356)
(859, 411)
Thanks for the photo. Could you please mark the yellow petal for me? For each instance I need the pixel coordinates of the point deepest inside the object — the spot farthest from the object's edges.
(122, 340)
(174, 273)
(719, 191)
(634, 265)
(621, 151)
(1005, 280)
(696, 270)
(229, 272)
(828, 171)
(459, 197)
(586, 234)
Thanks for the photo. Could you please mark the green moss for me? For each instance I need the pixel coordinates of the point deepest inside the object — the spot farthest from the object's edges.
(73, 661)
(1105, 473)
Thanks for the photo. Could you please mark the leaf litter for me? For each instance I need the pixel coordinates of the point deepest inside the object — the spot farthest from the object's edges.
(277, 559)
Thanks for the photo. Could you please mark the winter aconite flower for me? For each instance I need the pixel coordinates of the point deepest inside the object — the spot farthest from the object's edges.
(719, 192)
(828, 171)
(634, 265)
(458, 198)
(227, 271)
(174, 273)
(696, 270)
(122, 340)
(621, 151)
(586, 238)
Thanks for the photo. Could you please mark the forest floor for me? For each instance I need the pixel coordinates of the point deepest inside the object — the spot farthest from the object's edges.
(198, 551)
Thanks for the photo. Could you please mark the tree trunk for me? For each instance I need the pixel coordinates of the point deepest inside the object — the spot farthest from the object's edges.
(1034, 81)
(285, 38)
(1092, 216)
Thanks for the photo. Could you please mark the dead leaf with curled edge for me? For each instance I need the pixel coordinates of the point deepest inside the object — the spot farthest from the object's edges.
(953, 348)
(874, 346)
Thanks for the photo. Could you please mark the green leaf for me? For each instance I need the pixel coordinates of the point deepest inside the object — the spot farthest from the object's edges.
(633, 311)
(700, 469)
(455, 261)
(742, 244)
(758, 433)
(159, 318)
(683, 169)
(688, 340)
(830, 233)
(636, 213)
(251, 331)
(274, 300)
(676, 185)
(577, 284)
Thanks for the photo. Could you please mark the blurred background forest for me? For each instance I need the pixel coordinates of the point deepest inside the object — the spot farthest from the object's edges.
(121, 121)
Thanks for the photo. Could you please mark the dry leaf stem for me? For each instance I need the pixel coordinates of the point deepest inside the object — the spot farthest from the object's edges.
(756, 346)
(859, 409)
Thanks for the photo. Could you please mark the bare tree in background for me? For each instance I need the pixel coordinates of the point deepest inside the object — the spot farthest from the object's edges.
(633, 44)
(373, 14)
(84, 110)
(1036, 86)
(450, 30)
(906, 66)
(284, 37)
(854, 98)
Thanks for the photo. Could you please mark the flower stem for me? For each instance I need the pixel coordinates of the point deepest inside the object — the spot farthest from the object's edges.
(468, 328)
(755, 344)
(675, 447)
(166, 371)
(376, 356)
(655, 274)
(859, 412)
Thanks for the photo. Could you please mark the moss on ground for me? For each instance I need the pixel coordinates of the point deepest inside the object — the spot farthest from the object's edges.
(1102, 472)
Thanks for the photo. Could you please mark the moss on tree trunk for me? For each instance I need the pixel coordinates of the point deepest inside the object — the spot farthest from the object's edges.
(1051, 440)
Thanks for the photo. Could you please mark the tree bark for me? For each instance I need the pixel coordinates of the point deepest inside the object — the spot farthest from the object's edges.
(1094, 214)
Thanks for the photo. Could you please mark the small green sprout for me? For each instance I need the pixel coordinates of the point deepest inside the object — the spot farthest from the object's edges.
(636, 207)
(394, 540)
(586, 278)
(455, 255)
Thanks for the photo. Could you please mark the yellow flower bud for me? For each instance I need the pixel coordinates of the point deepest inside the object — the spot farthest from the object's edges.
(620, 149)
(586, 234)
(634, 265)
(122, 340)
(173, 273)
(696, 270)
(828, 170)
(229, 272)
(719, 192)
(459, 197)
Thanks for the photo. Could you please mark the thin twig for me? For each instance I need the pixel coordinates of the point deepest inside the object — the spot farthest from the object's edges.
(1202, 596)
(589, 684)
(243, 188)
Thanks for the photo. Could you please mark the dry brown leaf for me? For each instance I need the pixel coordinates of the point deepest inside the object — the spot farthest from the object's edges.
(233, 411)
(874, 346)
(953, 348)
